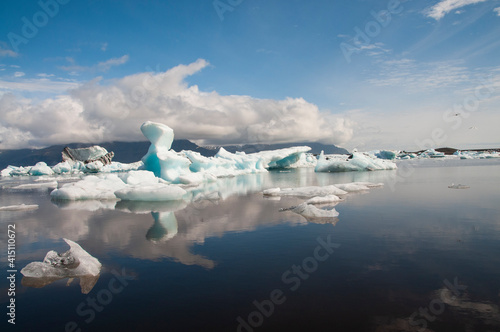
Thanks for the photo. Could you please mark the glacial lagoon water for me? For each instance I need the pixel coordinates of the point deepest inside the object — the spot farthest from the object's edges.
(413, 254)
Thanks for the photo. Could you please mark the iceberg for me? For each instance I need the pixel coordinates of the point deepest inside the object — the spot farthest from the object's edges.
(357, 162)
(87, 155)
(189, 167)
(41, 168)
(305, 191)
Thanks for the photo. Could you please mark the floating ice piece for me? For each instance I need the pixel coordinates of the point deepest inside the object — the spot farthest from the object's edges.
(75, 262)
(358, 162)
(85, 154)
(324, 199)
(281, 158)
(309, 211)
(458, 186)
(384, 154)
(151, 192)
(91, 187)
(431, 153)
(305, 191)
(41, 168)
(36, 186)
(63, 167)
(21, 207)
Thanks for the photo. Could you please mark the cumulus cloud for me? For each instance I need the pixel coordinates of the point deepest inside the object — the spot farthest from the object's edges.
(497, 10)
(439, 10)
(95, 112)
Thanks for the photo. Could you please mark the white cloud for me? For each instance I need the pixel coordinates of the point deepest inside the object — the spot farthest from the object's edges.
(104, 47)
(44, 75)
(497, 10)
(37, 85)
(439, 10)
(5, 51)
(95, 112)
(417, 77)
(19, 74)
(100, 67)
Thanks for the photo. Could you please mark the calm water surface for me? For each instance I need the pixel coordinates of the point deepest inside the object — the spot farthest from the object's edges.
(413, 254)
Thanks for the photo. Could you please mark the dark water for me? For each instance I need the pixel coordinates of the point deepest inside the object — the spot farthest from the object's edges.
(410, 255)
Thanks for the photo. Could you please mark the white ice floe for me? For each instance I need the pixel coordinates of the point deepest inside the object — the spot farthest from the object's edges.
(357, 162)
(305, 191)
(324, 199)
(36, 186)
(151, 192)
(91, 187)
(20, 207)
(75, 262)
(134, 185)
(309, 211)
(458, 186)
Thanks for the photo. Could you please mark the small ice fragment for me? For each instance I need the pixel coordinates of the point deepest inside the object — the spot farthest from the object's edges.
(21, 207)
(458, 186)
(324, 199)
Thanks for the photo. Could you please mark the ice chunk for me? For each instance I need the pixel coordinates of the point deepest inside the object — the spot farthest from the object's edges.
(281, 158)
(91, 187)
(324, 199)
(21, 207)
(309, 211)
(305, 191)
(352, 187)
(151, 192)
(36, 186)
(458, 186)
(385, 154)
(62, 167)
(41, 168)
(357, 162)
(73, 263)
(87, 155)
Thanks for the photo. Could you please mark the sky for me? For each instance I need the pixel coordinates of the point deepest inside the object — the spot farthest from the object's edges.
(363, 74)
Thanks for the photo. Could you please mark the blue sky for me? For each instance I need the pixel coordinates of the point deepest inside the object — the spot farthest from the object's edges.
(426, 74)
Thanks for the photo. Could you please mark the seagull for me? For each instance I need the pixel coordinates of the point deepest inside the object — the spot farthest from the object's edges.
(473, 127)
(457, 114)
